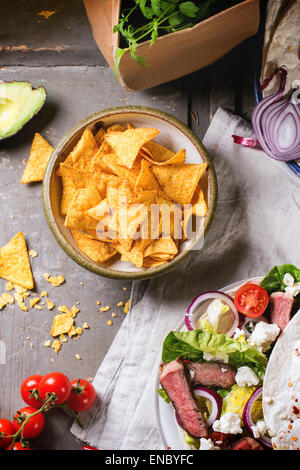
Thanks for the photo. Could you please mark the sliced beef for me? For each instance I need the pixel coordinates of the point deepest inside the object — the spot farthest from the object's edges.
(247, 443)
(211, 374)
(175, 381)
(221, 440)
(281, 306)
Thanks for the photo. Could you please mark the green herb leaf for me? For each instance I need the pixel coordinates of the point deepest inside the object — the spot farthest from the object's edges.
(189, 9)
(119, 54)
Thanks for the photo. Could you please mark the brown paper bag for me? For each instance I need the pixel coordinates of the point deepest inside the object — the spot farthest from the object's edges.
(175, 54)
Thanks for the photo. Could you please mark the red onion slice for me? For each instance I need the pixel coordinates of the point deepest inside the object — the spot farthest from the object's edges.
(247, 419)
(192, 316)
(215, 400)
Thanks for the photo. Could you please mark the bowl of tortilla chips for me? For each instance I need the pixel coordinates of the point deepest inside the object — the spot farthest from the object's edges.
(130, 192)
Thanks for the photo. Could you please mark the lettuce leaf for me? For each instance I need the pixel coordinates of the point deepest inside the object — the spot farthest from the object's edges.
(163, 394)
(273, 281)
(192, 344)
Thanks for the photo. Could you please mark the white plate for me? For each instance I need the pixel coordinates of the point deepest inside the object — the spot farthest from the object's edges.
(171, 434)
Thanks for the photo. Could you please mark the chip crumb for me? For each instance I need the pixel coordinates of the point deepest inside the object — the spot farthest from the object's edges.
(62, 323)
(44, 293)
(78, 357)
(98, 302)
(31, 345)
(56, 345)
(124, 289)
(9, 286)
(50, 305)
(48, 343)
(11, 216)
(90, 379)
(127, 306)
(113, 315)
(46, 276)
(51, 359)
(20, 301)
(109, 323)
(105, 309)
(63, 338)
(27, 338)
(85, 326)
(55, 281)
(34, 301)
(120, 304)
(81, 283)
(33, 253)
(5, 299)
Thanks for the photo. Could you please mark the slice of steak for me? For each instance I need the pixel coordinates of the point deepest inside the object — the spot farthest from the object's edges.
(175, 381)
(247, 443)
(281, 306)
(211, 374)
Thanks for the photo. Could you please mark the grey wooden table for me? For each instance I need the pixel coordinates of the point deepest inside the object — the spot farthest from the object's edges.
(60, 54)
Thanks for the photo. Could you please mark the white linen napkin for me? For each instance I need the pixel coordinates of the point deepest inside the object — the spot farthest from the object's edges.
(257, 226)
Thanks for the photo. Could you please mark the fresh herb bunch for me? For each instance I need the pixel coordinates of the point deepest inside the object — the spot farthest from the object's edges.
(143, 20)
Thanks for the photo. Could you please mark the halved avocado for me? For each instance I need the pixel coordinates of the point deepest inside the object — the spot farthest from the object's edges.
(19, 102)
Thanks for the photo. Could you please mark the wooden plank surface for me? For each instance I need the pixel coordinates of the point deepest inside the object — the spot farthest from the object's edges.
(61, 55)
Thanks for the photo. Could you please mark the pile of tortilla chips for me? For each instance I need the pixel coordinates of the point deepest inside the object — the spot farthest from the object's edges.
(111, 183)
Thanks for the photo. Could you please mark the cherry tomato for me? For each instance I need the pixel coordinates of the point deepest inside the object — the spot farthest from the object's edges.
(82, 395)
(6, 429)
(57, 383)
(34, 426)
(19, 446)
(29, 391)
(251, 300)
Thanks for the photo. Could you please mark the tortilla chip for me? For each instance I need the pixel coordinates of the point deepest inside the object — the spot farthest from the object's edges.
(127, 144)
(152, 263)
(159, 155)
(77, 217)
(62, 323)
(199, 205)
(81, 156)
(146, 179)
(99, 137)
(179, 181)
(100, 211)
(162, 248)
(110, 162)
(38, 159)
(15, 262)
(116, 128)
(98, 251)
(170, 218)
(74, 179)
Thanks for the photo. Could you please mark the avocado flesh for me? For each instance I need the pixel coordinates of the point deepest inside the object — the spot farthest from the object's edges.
(19, 102)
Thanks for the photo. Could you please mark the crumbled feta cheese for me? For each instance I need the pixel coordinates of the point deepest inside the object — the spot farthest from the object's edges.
(288, 280)
(210, 357)
(259, 429)
(229, 423)
(207, 444)
(264, 335)
(237, 333)
(192, 374)
(245, 376)
(294, 290)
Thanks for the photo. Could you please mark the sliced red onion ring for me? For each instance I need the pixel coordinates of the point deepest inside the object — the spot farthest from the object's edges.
(191, 318)
(216, 404)
(247, 419)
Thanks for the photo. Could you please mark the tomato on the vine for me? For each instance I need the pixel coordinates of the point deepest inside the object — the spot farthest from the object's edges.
(35, 424)
(82, 396)
(251, 300)
(18, 446)
(57, 383)
(29, 391)
(6, 429)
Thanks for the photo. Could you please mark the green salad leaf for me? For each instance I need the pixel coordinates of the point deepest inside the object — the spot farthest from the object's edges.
(163, 394)
(192, 344)
(274, 280)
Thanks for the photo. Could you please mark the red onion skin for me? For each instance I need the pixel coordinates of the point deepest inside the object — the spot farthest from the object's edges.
(265, 441)
(214, 295)
(212, 393)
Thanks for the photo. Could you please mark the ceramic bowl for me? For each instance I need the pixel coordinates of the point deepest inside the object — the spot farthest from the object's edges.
(173, 134)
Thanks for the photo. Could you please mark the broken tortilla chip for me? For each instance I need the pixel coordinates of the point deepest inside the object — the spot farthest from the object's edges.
(15, 262)
(62, 323)
(127, 144)
(179, 181)
(146, 179)
(159, 155)
(38, 159)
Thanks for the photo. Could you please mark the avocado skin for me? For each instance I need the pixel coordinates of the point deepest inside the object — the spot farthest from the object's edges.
(18, 123)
